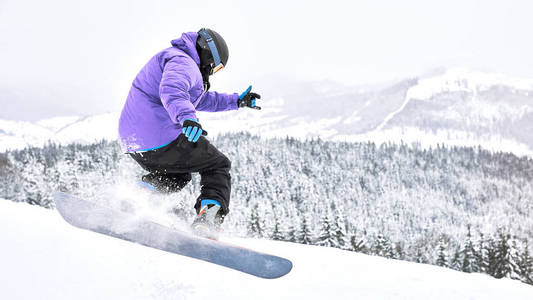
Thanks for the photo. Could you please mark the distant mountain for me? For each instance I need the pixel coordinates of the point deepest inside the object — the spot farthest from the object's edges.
(466, 107)
(19, 134)
(455, 106)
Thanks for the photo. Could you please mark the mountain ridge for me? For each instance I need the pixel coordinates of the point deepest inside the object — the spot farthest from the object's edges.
(455, 106)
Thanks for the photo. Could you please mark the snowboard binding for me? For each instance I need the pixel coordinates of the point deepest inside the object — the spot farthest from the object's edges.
(208, 222)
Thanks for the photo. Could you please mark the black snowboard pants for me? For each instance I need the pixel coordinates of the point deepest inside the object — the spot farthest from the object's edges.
(171, 166)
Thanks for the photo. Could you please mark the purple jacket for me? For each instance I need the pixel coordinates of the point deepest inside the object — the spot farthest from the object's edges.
(168, 90)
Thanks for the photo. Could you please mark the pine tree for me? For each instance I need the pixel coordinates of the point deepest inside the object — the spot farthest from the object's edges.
(481, 254)
(491, 249)
(526, 264)
(68, 175)
(419, 256)
(398, 251)
(292, 234)
(358, 245)
(305, 234)
(276, 233)
(383, 247)
(255, 227)
(442, 257)
(513, 260)
(326, 236)
(456, 262)
(340, 230)
(468, 253)
(506, 256)
(34, 181)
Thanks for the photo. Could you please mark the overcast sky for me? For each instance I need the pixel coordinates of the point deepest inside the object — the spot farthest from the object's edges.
(89, 51)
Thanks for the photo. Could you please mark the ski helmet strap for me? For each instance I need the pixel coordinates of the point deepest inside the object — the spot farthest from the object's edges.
(212, 46)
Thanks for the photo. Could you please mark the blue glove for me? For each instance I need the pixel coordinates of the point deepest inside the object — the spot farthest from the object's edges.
(192, 130)
(247, 99)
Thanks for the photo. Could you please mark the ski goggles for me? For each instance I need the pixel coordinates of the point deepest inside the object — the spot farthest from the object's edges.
(218, 65)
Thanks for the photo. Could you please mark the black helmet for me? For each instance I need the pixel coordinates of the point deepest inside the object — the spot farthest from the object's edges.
(212, 50)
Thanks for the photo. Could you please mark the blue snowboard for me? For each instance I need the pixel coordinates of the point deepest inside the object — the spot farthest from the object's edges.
(91, 216)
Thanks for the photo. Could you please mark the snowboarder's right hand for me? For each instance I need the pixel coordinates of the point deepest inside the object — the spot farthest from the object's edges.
(192, 130)
(248, 99)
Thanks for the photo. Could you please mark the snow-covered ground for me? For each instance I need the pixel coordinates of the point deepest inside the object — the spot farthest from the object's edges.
(42, 257)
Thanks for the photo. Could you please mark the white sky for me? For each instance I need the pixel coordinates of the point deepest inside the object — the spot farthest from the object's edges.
(94, 49)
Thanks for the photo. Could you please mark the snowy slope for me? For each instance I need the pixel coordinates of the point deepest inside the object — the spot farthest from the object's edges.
(69, 129)
(455, 106)
(88, 129)
(58, 123)
(18, 134)
(42, 257)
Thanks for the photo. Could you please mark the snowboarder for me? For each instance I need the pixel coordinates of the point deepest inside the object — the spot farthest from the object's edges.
(159, 129)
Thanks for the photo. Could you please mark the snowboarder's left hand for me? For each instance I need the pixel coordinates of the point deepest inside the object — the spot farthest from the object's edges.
(247, 99)
(192, 130)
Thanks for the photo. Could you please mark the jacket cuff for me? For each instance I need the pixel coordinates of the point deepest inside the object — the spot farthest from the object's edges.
(233, 101)
(182, 118)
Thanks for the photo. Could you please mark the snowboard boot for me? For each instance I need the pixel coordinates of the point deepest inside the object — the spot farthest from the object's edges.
(208, 222)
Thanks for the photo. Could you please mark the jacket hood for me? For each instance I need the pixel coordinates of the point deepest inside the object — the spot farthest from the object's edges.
(187, 43)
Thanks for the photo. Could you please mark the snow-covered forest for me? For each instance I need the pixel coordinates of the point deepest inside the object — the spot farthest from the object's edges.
(460, 207)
